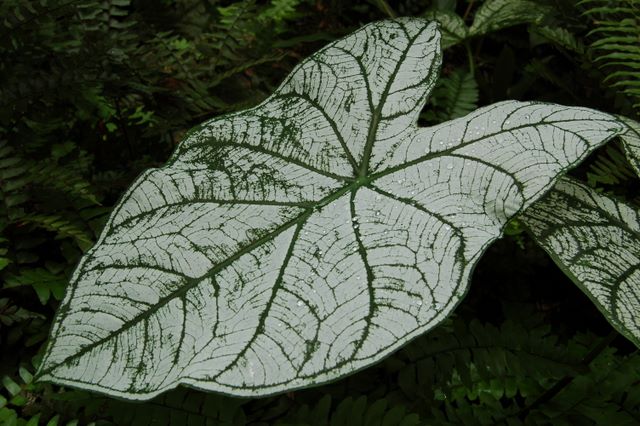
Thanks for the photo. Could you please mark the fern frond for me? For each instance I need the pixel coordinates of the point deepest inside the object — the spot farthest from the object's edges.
(621, 56)
(616, 43)
(61, 226)
(279, 11)
(610, 167)
(465, 360)
(103, 15)
(517, 373)
(611, 27)
(180, 406)
(606, 10)
(455, 95)
(352, 412)
(14, 178)
(65, 179)
(16, 13)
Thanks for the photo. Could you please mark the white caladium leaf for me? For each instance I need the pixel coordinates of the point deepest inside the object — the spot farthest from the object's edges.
(631, 143)
(595, 240)
(452, 28)
(492, 15)
(306, 238)
(495, 15)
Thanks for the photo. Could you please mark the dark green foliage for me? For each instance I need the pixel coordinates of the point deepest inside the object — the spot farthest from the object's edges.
(352, 412)
(486, 375)
(455, 95)
(93, 92)
(616, 44)
(610, 167)
(181, 407)
(465, 372)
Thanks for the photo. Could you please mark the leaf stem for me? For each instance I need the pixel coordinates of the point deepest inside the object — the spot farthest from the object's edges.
(467, 10)
(470, 58)
(384, 7)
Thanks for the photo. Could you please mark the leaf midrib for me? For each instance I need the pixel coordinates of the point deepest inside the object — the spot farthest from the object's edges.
(192, 282)
(445, 152)
(377, 113)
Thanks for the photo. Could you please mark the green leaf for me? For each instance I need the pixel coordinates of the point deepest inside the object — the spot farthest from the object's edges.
(34, 421)
(495, 15)
(25, 375)
(454, 96)
(42, 281)
(11, 386)
(595, 240)
(54, 421)
(452, 28)
(8, 417)
(19, 400)
(309, 237)
(561, 37)
(4, 262)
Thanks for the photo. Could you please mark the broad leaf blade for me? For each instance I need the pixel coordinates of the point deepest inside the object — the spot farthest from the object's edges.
(595, 240)
(452, 27)
(631, 143)
(495, 15)
(304, 239)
